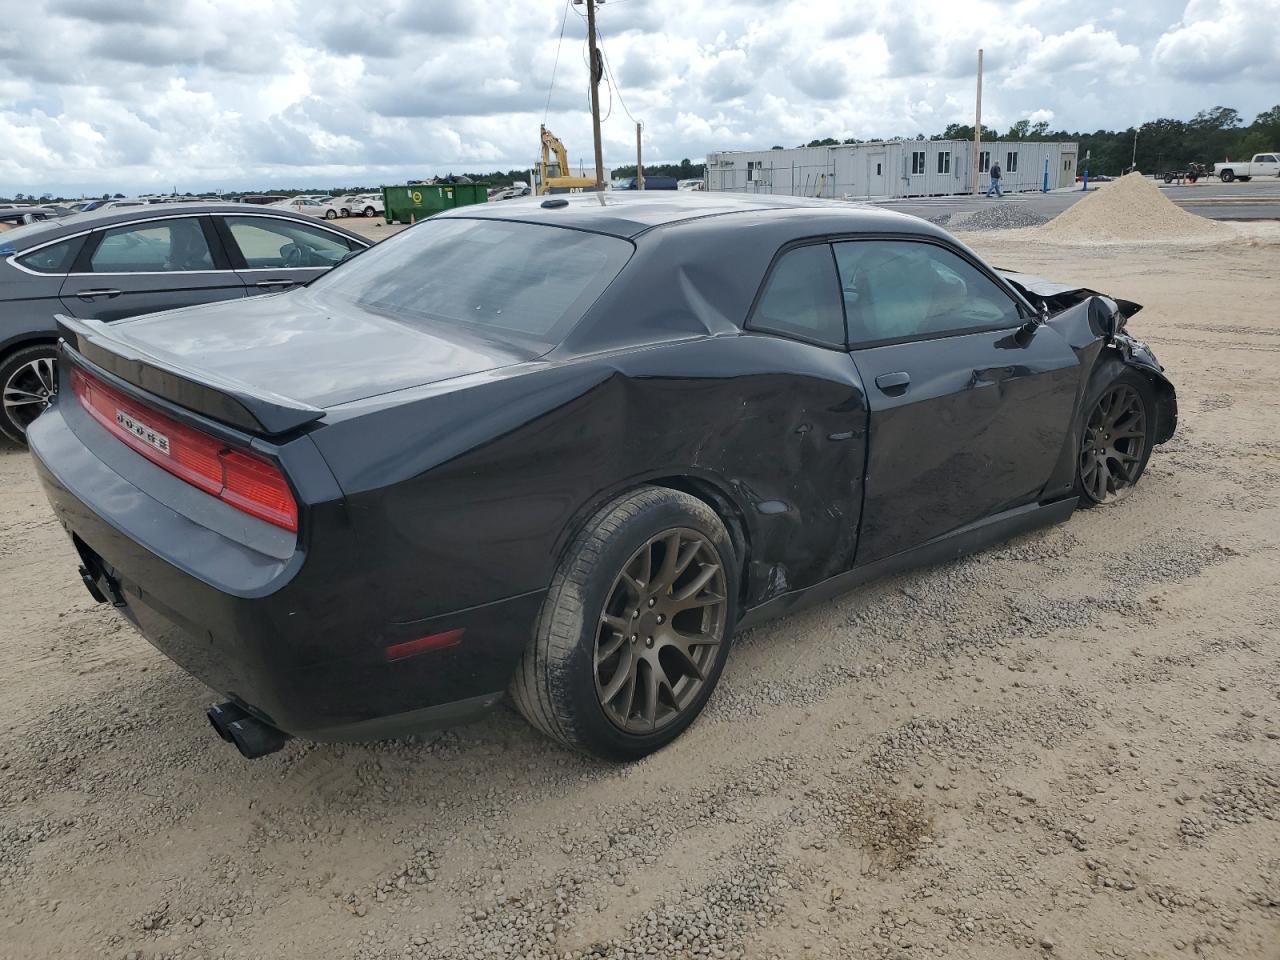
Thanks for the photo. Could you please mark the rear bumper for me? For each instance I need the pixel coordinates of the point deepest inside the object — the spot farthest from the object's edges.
(296, 641)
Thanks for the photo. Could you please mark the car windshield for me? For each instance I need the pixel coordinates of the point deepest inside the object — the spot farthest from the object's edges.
(518, 282)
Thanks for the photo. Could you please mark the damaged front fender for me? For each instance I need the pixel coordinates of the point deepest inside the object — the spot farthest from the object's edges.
(1097, 330)
(1137, 354)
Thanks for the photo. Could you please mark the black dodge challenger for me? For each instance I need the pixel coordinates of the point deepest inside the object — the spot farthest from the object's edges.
(565, 448)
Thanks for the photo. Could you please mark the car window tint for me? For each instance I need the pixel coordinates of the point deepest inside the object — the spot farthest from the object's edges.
(158, 246)
(896, 288)
(519, 282)
(55, 258)
(267, 243)
(802, 297)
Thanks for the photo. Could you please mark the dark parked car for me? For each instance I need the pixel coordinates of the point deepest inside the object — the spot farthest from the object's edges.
(13, 215)
(650, 183)
(117, 263)
(566, 447)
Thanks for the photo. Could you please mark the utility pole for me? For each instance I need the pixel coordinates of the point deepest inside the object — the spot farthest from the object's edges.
(1133, 164)
(639, 164)
(977, 127)
(596, 64)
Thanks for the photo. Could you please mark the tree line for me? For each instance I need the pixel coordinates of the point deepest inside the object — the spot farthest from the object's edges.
(1210, 136)
(1213, 135)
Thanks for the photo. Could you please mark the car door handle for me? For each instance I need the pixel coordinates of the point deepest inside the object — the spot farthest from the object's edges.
(274, 284)
(894, 384)
(90, 294)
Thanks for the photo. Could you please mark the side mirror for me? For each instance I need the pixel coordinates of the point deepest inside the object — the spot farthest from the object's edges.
(1034, 322)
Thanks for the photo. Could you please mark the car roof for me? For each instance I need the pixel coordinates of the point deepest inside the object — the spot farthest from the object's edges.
(93, 219)
(628, 214)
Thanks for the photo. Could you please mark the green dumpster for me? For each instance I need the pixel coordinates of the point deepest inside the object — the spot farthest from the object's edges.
(417, 200)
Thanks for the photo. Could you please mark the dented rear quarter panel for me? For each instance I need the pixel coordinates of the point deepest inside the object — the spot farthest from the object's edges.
(774, 430)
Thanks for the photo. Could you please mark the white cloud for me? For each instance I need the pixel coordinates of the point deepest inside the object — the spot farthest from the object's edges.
(1223, 40)
(1083, 50)
(100, 95)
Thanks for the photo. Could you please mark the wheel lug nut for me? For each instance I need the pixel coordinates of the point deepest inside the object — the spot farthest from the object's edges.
(648, 641)
(661, 619)
(635, 614)
(652, 601)
(635, 637)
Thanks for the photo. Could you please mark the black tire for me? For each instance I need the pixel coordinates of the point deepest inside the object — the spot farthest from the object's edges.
(556, 683)
(1124, 459)
(15, 372)
(369, 211)
(1226, 176)
(331, 214)
(1168, 178)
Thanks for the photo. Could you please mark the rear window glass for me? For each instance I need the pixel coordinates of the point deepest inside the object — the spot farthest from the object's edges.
(802, 298)
(55, 258)
(501, 280)
(153, 247)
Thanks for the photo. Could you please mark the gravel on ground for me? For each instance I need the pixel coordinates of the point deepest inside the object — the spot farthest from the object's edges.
(1064, 746)
(999, 216)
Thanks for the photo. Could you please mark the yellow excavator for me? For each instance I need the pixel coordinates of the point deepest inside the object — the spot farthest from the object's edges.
(553, 175)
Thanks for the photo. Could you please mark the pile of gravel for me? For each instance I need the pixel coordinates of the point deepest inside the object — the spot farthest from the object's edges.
(1130, 209)
(997, 217)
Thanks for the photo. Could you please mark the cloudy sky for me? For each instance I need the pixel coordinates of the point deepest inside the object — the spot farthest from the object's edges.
(143, 95)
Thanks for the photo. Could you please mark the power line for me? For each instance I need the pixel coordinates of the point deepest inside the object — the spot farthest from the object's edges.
(563, 20)
(613, 80)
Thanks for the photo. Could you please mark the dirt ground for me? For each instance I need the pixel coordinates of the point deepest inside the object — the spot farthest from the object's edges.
(1066, 746)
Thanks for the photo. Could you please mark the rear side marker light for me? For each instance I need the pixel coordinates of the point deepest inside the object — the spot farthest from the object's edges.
(244, 480)
(436, 641)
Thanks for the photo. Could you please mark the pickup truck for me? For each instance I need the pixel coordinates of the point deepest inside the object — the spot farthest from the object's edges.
(1262, 165)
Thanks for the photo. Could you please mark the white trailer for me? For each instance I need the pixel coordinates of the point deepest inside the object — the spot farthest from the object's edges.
(892, 168)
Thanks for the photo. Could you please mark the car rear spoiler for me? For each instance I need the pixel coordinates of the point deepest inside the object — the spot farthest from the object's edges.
(1059, 296)
(226, 401)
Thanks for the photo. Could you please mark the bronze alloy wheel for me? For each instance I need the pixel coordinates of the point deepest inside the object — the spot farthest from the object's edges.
(1114, 444)
(660, 631)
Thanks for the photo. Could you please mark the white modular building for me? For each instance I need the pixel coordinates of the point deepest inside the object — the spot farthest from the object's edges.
(892, 168)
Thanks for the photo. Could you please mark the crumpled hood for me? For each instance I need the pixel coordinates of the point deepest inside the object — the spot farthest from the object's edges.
(1059, 296)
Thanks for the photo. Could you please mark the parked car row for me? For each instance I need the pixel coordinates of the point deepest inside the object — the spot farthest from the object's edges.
(514, 192)
(119, 262)
(331, 208)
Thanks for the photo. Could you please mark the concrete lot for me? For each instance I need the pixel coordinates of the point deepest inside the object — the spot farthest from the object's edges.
(1062, 747)
(1255, 200)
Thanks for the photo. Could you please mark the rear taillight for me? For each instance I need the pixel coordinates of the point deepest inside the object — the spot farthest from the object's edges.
(245, 480)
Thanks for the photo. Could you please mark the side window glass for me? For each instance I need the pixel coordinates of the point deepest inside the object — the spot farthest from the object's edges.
(55, 258)
(159, 246)
(802, 298)
(268, 243)
(895, 289)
